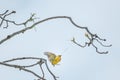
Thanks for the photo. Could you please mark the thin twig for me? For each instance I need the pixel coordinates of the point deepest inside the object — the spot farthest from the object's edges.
(13, 22)
(55, 78)
(103, 44)
(4, 12)
(4, 16)
(40, 64)
(74, 41)
(99, 51)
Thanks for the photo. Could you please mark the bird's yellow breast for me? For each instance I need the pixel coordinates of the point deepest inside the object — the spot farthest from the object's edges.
(56, 60)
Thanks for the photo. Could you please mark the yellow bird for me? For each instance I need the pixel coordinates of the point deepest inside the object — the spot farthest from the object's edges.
(53, 58)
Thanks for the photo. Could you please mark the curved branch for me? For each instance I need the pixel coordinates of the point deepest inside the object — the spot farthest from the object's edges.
(21, 68)
(40, 62)
(103, 44)
(91, 38)
(55, 78)
(99, 51)
(42, 70)
(74, 41)
(23, 58)
(4, 12)
(41, 21)
(4, 16)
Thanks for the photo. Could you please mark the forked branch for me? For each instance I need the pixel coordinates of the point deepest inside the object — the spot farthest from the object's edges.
(92, 37)
(39, 62)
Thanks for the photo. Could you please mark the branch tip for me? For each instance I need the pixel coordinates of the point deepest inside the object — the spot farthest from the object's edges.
(13, 11)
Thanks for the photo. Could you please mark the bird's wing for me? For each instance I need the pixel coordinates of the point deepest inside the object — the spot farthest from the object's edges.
(51, 56)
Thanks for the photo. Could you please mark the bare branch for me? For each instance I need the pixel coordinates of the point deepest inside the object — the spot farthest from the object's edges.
(91, 36)
(74, 41)
(21, 68)
(99, 51)
(56, 17)
(55, 78)
(23, 58)
(103, 44)
(39, 62)
(4, 16)
(91, 40)
(4, 12)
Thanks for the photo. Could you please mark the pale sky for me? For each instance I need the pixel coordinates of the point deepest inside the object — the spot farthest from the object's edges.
(100, 16)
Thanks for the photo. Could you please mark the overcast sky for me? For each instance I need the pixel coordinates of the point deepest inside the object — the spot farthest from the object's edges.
(100, 16)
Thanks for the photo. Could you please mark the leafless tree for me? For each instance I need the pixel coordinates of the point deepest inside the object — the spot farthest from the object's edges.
(40, 61)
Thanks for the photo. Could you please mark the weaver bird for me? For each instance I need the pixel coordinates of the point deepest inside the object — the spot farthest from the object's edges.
(54, 59)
